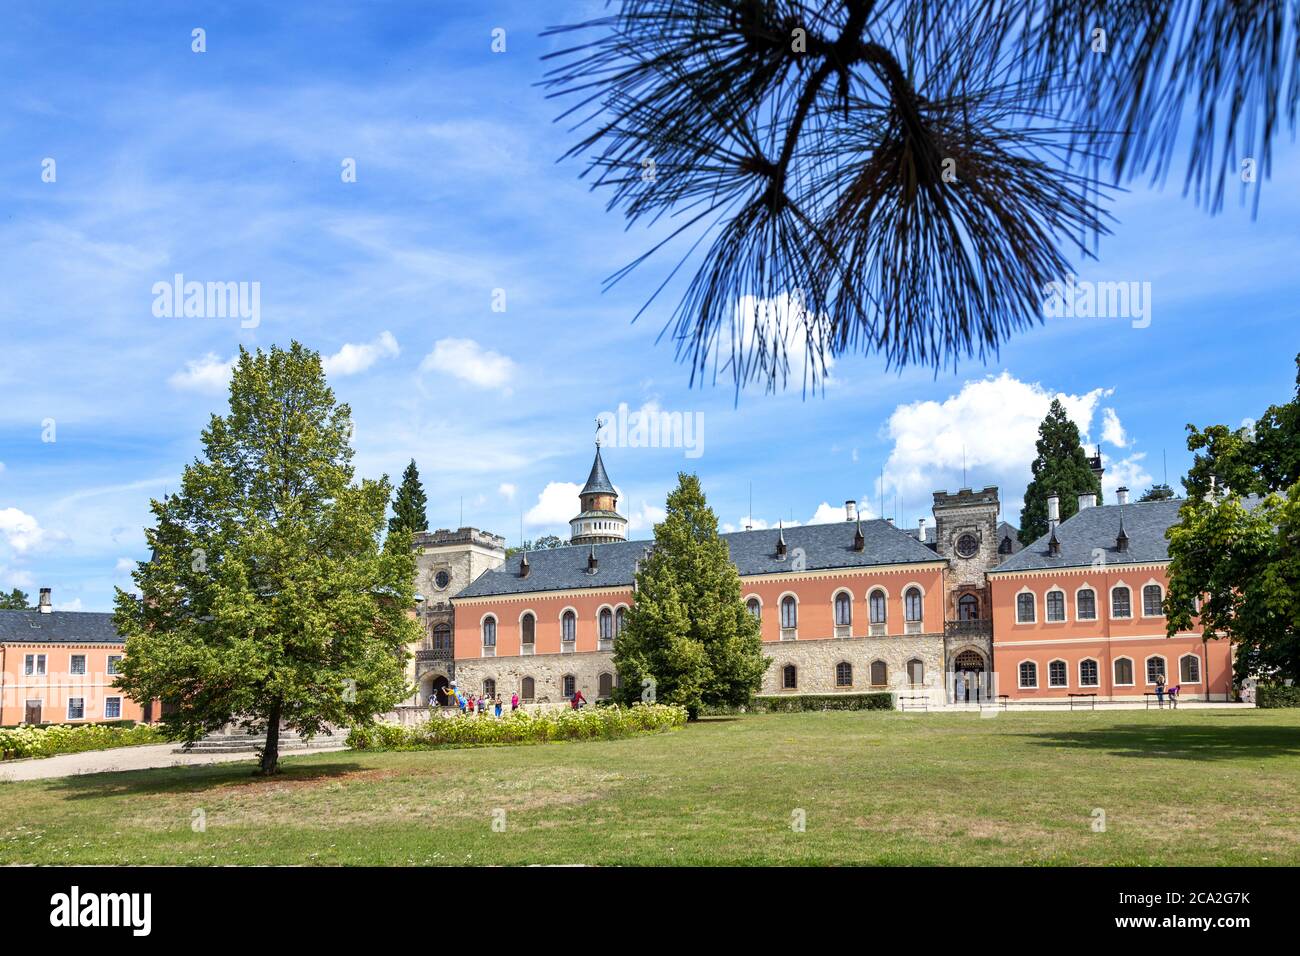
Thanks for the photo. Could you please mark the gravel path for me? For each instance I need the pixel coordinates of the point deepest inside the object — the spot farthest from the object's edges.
(124, 758)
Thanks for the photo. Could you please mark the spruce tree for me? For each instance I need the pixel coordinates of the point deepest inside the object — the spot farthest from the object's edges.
(689, 635)
(15, 600)
(1061, 468)
(270, 599)
(409, 504)
(1157, 492)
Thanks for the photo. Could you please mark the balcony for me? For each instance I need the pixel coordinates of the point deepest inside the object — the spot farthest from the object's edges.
(427, 654)
(969, 630)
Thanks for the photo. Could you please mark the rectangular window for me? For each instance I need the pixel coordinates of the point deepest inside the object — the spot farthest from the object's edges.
(77, 664)
(113, 661)
(34, 664)
(112, 708)
(1024, 609)
(1088, 673)
(1056, 606)
(1086, 603)
(1056, 674)
(1152, 601)
(1123, 672)
(76, 708)
(1155, 668)
(1028, 674)
(1120, 605)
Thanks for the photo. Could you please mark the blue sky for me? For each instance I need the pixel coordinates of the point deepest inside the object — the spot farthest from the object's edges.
(226, 166)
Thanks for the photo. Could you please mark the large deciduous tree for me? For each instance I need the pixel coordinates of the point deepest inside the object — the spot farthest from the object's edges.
(270, 599)
(1061, 468)
(689, 632)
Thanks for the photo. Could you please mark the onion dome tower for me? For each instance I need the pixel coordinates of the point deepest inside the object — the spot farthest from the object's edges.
(599, 521)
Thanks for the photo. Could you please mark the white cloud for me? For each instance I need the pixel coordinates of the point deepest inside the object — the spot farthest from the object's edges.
(784, 329)
(646, 517)
(1127, 473)
(991, 428)
(124, 566)
(826, 513)
(351, 359)
(209, 374)
(470, 362)
(507, 491)
(557, 503)
(21, 531)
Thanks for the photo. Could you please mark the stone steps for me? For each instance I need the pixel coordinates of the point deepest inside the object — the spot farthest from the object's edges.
(249, 743)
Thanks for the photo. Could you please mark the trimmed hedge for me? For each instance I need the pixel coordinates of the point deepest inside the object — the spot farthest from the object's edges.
(793, 703)
(1277, 695)
(50, 739)
(520, 727)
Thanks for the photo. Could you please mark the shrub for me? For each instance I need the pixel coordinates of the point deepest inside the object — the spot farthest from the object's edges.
(784, 705)
(520, 727)
(50, 739)
(1277, 695)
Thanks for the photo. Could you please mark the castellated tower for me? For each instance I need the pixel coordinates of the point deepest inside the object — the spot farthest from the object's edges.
(599, 521)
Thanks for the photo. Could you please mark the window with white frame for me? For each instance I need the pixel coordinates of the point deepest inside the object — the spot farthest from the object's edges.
(789, 612)
(1085, 604)
(1088, 673)
(606, 624)
(1123, 672)
(1121, 602)
(34, 665)
(1058, 674)
(76, 708)
(912, 605)
(843, 610)
(1025, 608)
(1055, 606)
(569, 628)
(114, 662)
(77, 664)
(489, 632)
(1155, 668)
(620, 620)
(1028, 674)
(1152, 600)
(112, 708)
(528, 628)
(877, 606)
(1189, 669)
(755, 608)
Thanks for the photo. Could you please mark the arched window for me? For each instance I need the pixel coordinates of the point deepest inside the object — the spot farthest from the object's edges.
(912, 605)
(441, 637)
(1123, 672)
(489, 632)
(1088, 673)
(605, 685)
(1152, 601)
(843, 610)
(606, 624)
(1058, 675)
(568, 684)
(1056, 606)
(843, 674)
(489, 687)
(527, 688)
(879, 674)
(915, 671)
(877, 605)
(1155, 668)
(1121, 602)
(789, 612)
(789, 677)
(1085, 605)
(1189, 669)
(569, 628)
(968, 608)
(620, 620)
(528, 628)
(755, 608)
(1028, 674)
(1025, 608)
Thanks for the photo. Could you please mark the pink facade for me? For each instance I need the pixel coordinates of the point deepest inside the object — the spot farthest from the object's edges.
(62, 683)
(1097, 630)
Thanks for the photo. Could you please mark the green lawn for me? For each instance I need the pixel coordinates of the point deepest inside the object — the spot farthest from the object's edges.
(1208, 787)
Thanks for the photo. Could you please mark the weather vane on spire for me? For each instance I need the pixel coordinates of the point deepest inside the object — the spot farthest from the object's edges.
(598, 431)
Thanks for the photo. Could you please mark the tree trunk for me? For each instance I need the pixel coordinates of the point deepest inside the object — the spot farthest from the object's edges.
(271, 752)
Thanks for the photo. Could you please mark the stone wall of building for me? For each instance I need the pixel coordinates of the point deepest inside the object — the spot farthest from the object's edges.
(816, 662)
(546, 670)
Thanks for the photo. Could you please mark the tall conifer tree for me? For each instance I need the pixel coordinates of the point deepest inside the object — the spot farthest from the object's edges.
(409, 504)
(1061, 468)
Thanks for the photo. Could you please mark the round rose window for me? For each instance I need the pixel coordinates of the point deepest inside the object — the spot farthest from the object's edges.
(967, 545)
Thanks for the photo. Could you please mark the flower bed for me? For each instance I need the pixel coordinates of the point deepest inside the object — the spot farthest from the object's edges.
(51, 739)
(592, 723)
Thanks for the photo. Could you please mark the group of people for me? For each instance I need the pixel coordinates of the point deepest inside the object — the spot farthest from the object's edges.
(481, 704)
(1162, 692)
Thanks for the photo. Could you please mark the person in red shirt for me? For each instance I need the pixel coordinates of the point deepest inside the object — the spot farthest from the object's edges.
(578, 699)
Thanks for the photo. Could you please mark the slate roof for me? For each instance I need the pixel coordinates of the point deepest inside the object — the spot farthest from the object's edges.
(1145, 523)
(1007, 530)
(597, 482)
(58, 627)
(753, 552)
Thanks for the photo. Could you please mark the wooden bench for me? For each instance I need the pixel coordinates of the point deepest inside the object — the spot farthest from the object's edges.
(1003, 699)
(1092, 700)
(925, 703)
(1159, 700)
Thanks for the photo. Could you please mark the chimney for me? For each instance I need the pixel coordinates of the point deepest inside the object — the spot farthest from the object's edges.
(1087, 501)
(1053, 511)
(890, 520)
(46, 606)
(920, 530)
(1121, 496)
(850, 510)
(859, 540)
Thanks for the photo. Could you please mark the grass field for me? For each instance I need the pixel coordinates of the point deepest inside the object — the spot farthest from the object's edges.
(1207, 787)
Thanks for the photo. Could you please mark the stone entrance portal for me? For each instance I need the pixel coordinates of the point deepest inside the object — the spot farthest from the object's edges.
(968, 677)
